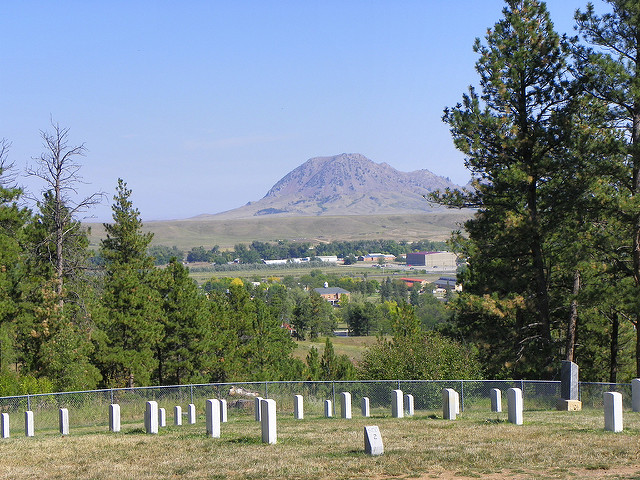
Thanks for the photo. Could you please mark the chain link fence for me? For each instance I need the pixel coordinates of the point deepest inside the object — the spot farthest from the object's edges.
(90, 408)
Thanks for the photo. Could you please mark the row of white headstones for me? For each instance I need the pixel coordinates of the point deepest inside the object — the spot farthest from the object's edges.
(265, 412)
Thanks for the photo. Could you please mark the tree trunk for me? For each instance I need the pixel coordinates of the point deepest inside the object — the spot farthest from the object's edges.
(573, 319)
(614, 347)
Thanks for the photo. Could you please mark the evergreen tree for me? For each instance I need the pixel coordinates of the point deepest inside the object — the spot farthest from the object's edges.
(514, 134)
(132, 318)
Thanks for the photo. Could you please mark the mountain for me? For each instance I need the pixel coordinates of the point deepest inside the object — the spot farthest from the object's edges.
(346, 184)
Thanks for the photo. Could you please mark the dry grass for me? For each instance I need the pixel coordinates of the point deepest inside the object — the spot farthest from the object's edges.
(550, 445)
(353, 347)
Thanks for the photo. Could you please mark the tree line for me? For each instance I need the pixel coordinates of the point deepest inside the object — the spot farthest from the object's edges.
(551, 135)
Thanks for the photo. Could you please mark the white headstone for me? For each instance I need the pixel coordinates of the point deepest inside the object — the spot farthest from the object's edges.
(328, 409)
(457, 403)
(64, 421)
(635, 394)
(191, 414)
(29, 429)
(151, 417)
(345, 404)
(515, 406)
(496, 400)
(298, 407)
(258, 410)
(612, 411)
(4, 425)
(364, 405)
(449, 410)
(162, 417)
(114, 417)
(396, 404)
(373, 441)
(177, 415)
(223, 410)
(408, 404)
(212, 415)
(268, 422)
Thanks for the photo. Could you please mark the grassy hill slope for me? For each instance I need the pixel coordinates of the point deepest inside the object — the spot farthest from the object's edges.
(209, 230)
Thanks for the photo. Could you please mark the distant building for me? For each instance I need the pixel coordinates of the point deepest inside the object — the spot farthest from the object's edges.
(375, 257)
(433, 260)
(332, 294)
(412, 281)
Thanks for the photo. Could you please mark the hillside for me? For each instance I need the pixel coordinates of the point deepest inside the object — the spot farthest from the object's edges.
(211, 230)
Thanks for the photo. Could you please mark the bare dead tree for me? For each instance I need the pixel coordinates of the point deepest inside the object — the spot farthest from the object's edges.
(59, 168)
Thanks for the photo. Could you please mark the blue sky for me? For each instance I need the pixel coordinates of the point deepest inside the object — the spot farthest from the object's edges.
(201, 106)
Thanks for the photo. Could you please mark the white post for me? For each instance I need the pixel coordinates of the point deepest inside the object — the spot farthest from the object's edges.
(449, 409)
(223, 411)
(396, 404)
(29, 429)
(212, 415)
(345, 404)
(162, 417)
(177, 415)
(298, 407)
(364, 405)
(635, 394)
(258, 410)
(612, 411)
(408, 404)
(114, 417)
(191, 414)
(496, 400)
(268, 415)
(4, 425)
(515, 405)
(64, 421)
(328, 409)
(151, 417)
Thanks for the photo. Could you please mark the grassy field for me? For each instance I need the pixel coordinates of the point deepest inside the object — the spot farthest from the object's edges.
(353, 347)
(550, 445)
(208, 231)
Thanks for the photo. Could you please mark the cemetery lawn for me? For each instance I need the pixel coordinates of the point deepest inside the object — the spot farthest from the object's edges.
(550, 445)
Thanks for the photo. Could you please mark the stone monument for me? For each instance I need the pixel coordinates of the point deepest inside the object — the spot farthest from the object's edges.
(373, 441)
(569, 393)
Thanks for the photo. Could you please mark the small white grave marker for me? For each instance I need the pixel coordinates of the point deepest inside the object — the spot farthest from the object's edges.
(114, 417)
(328, 409)
(223, 411)
(449, 410)
(515, 406)
(29, 429)
(496, 400)
(162, 417)
(191, 414)
(151, 417)
(373, 441)
(64, 421)
(396, 404)
(268, 422)
(212, 414)
(4, 425)
(408, 404)
(612, 411)
(298, 407)
(258, 410)
(345, 404)
(364, 405)
(177, 415)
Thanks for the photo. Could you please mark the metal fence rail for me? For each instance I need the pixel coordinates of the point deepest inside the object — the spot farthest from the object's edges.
(90, 408)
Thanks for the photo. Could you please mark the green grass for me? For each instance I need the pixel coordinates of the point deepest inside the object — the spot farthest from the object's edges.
(353, 347)
(550, 445)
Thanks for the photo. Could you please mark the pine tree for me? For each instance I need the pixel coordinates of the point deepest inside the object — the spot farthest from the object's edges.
(132, 318)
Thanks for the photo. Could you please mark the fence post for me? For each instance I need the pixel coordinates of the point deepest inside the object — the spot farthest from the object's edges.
(191, 392)
(266, 391)
(461, 395)
(333, 393)
(111, 391)
(29, 402)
